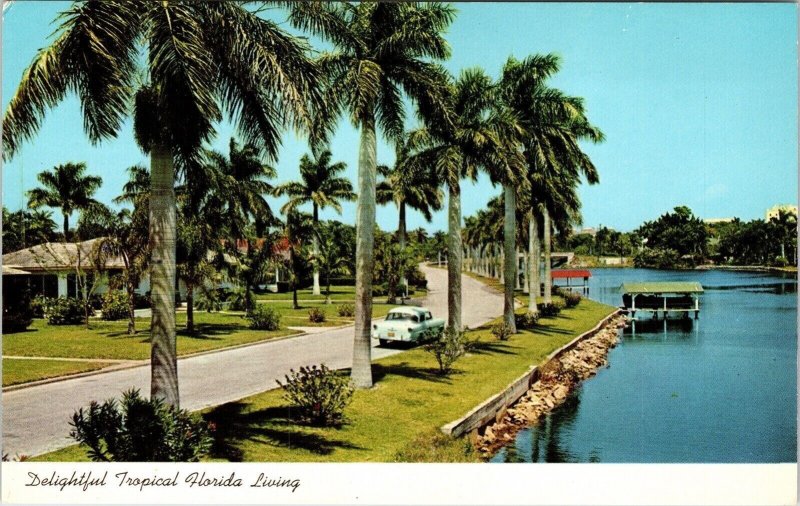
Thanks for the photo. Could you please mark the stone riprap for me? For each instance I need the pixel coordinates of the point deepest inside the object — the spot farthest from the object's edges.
(557, 378)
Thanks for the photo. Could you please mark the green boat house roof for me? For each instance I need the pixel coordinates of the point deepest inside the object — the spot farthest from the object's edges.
(661, 287)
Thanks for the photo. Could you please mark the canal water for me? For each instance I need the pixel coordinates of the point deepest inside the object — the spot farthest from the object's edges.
(720, 389)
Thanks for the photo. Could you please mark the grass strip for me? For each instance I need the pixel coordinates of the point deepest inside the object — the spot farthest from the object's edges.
(396, 420)
(16, 371)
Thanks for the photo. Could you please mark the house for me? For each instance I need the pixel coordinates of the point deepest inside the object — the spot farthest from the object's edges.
(53, 267)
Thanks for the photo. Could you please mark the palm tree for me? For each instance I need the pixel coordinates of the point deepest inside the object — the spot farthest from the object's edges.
(321, 186)
(458, 150)
(553, 124)
(24, 228)
(382, 49)
(203, 59)
(328, 261)
(126, 238)
(298, 225)
(67, 188)
(407, 185)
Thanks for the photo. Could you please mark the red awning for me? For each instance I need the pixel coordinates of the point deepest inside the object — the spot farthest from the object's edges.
(570, 273)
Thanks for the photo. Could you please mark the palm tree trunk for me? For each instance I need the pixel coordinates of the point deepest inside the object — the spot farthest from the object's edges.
(328, 289)
(548, 281)
(66, 227)
(163, 351)
(533, 263)
(509, 257)
(361, 373)
(131, 308)
(190, 307)
(315, 247)
(454, 260)
(401, 238)
(526, 271)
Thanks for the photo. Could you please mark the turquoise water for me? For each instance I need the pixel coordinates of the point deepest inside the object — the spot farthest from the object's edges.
(718, 389)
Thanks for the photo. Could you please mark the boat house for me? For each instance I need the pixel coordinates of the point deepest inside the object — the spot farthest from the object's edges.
(680, 297)
(561, 276)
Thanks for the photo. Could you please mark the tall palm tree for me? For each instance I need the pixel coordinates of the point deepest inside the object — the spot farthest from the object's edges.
(458, 150)
(407, 185)
(382, 49)
(320, 185)
(203, 59)
(553, 123)
(67, 188)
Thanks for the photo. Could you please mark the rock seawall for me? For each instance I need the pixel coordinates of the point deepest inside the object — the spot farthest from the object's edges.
(557, 378)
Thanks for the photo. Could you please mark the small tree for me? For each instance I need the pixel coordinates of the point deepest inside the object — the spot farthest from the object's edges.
(447, 347)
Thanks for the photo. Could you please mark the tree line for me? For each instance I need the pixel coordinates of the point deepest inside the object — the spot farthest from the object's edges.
(205, 61)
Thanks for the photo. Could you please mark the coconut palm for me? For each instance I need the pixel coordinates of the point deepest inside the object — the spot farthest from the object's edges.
(24, 228)
(66, 187)
(407, 185)
(202, 59)
(322, 187)
(382, 49)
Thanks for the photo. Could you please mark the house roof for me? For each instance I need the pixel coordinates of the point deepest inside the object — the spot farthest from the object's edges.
(9, 270)
(570, 273)
(662, 287)
(58, 256)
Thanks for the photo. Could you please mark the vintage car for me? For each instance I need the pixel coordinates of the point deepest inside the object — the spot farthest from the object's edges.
(407, 323)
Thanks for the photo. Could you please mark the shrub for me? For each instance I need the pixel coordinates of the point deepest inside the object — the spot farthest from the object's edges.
(347, 310)
(552, 308)
(379, 290)
(263, 317)
(780, 261)
(17, 308)
(209, 301)
(501, 331)
(416, 278)
(526, 320)
(39, 306)
(115, 305)
(318, 393)
(65, 311)
(141, 301)
(140, 430)
(572, 299)
(240, 299)
(447, 347)
(316, 315)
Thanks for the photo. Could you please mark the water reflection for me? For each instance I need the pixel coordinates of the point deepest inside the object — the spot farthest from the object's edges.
(544, 442)
(664, 331)
(778, 288)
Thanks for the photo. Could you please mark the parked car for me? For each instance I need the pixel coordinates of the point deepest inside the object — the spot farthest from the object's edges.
(407, 324)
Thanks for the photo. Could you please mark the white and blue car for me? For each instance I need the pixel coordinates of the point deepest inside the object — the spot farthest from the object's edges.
(406, 324)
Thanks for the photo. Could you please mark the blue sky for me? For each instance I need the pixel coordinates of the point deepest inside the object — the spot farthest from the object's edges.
(698, 103)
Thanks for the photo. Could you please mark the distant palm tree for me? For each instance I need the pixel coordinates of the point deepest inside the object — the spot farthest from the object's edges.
(458, 149)
(298, 225)
(67, 188)
(202, 59)
(322, 187)
(382, 49)
(553, 123)
(24, 228)
(407, 185)
(328, 260)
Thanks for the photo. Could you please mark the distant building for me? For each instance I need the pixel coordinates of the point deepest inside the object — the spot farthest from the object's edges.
(714, 221)
(773, 211)
(587, 230)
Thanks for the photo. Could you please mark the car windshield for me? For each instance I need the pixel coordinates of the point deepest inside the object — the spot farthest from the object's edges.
(401, 316)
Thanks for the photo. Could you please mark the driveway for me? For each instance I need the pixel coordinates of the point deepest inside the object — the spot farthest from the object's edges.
(35, 419)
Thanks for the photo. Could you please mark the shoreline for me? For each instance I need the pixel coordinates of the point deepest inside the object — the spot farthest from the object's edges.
(557, 379)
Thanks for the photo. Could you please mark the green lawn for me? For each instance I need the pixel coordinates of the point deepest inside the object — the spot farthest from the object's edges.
(299, 317)
(338, 293)
(398, 419)
(17, 371)
(110, 339)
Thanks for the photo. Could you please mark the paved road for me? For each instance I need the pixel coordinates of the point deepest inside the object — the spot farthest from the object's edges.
(35, 419)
